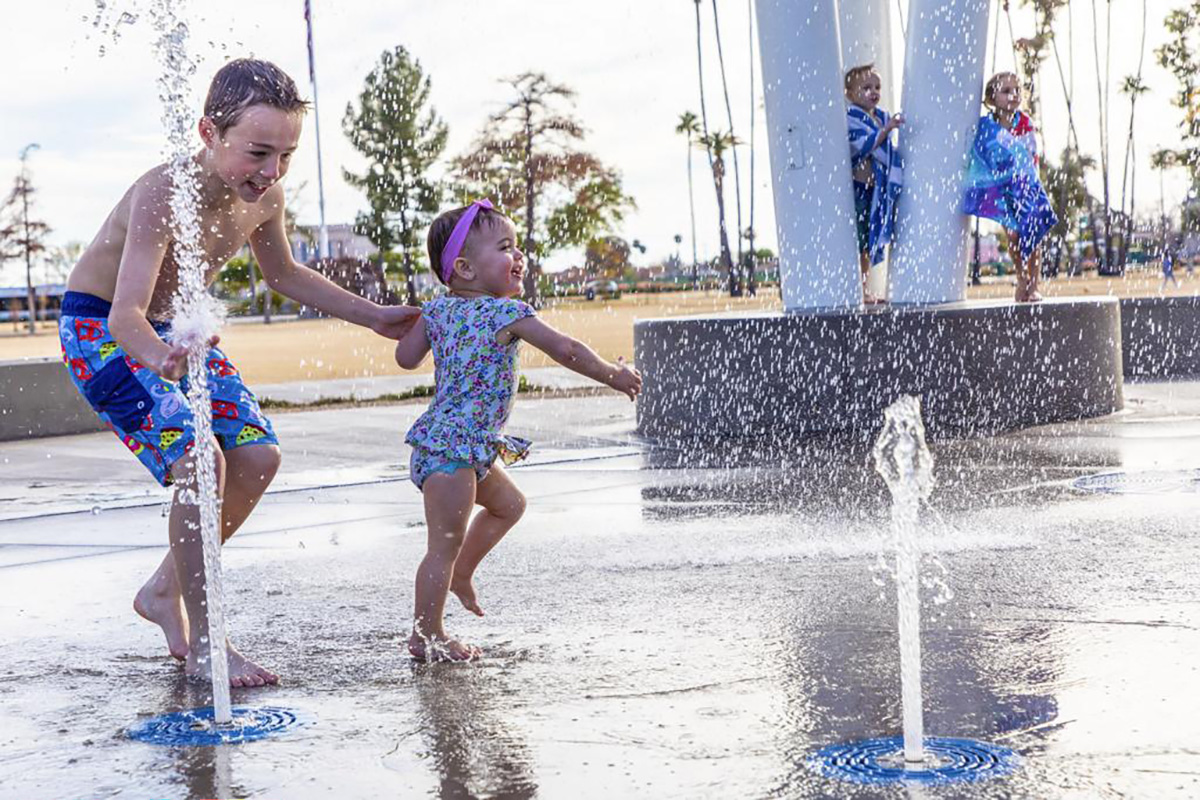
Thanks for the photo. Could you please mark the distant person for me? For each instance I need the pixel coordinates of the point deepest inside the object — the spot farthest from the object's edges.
(876, 167)
(1003, 184)
(458, 445)
(116, 321)
(1168, 269)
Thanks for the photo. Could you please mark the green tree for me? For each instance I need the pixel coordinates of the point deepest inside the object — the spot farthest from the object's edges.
(526, 160)
(1066, 184)
(1178, 56)
(401, 136)
(606, 257)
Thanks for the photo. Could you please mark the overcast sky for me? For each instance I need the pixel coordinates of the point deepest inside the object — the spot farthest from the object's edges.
(87, 95)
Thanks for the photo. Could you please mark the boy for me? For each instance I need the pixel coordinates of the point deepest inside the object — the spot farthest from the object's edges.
(876, 168)
(112, 332)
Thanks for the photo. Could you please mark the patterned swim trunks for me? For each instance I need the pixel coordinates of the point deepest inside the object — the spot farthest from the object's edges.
(424, 463)
(149, 414)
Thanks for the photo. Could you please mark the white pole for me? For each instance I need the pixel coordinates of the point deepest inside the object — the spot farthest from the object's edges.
(866, 33)
(943, 87)
(323, 236)
(810, 153)
(865, 27)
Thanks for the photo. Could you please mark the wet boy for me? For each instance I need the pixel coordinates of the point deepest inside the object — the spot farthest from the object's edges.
(115, 319)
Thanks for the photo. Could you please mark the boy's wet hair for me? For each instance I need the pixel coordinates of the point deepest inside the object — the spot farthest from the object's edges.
(856, 74)
(993, 85)
(246, 82)
(443, 226)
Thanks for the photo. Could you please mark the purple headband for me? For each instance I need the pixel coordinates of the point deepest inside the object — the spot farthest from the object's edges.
(458, 237)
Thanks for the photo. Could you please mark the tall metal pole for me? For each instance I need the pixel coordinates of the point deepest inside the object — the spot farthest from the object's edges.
(28, 244)
(751, 279)
(323, 234)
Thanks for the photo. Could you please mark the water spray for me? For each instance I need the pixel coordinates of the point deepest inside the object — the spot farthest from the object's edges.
(903, 459)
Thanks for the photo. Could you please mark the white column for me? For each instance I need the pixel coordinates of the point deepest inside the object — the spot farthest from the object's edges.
(943, 88)
(810, 153)
(865, 27)
(866, 33)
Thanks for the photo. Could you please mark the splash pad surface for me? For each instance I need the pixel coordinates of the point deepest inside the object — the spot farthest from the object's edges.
(662, 622)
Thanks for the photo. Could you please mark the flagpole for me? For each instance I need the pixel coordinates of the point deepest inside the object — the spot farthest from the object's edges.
(323, 235)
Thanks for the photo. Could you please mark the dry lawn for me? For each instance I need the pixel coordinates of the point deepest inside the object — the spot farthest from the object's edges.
(321, 349)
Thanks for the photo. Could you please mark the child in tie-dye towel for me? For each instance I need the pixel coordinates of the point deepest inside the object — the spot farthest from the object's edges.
(1003, 183)
(876, 166)
(459, 444)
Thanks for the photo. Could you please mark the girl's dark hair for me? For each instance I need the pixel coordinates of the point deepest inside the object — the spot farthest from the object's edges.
(443, 226)
(246, 82)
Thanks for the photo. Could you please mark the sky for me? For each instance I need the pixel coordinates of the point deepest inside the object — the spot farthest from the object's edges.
(86, 94)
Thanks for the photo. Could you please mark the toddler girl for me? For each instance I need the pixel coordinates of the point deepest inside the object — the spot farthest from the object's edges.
(1003, 183)
(458, 444)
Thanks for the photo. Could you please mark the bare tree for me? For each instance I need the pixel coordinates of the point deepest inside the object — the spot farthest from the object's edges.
(526, 159)
(22, 236)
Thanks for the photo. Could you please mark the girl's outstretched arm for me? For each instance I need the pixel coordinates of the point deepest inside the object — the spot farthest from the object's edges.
(573, 354)
(413, 346)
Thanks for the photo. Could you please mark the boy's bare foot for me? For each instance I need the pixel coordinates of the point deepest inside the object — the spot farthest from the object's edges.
(432, 649)
(166, 612)
(243, 673)
(464, 590)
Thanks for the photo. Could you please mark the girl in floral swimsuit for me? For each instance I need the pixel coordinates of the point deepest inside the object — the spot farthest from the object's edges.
(458, 444)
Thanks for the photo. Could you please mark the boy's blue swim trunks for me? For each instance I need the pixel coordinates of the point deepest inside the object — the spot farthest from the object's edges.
(148, 413)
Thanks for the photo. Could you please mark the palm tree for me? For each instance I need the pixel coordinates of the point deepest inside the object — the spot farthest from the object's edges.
(737, 175)
(688, 127)
(716, 143)
(1134, 87)
(1161, 160)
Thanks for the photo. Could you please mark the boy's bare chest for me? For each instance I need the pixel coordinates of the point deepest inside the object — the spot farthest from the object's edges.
(220, 240)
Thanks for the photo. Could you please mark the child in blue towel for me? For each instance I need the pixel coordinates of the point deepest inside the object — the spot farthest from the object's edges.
(876, 166)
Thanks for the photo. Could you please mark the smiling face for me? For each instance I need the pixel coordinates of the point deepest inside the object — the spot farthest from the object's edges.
(254, 153)
(865, 91)
(1006, 96)
(491, 262)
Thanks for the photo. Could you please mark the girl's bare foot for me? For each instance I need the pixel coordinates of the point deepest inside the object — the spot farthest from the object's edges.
(243, 673)
(439, 648)
(464, 590)
(165, 609)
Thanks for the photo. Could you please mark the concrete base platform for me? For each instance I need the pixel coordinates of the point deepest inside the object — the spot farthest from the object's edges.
(1160, 337)
(979, 368)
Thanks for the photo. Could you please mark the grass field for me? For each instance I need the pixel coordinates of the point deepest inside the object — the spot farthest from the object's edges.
(322, 349)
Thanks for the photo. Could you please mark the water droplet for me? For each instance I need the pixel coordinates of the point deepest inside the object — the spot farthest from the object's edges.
(95, 510)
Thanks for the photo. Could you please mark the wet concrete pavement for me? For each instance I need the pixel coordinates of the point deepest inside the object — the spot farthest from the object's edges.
(663, 622)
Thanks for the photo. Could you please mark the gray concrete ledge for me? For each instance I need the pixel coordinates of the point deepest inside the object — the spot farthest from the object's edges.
(980, 368)
(1160, 337)
(37, 398)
